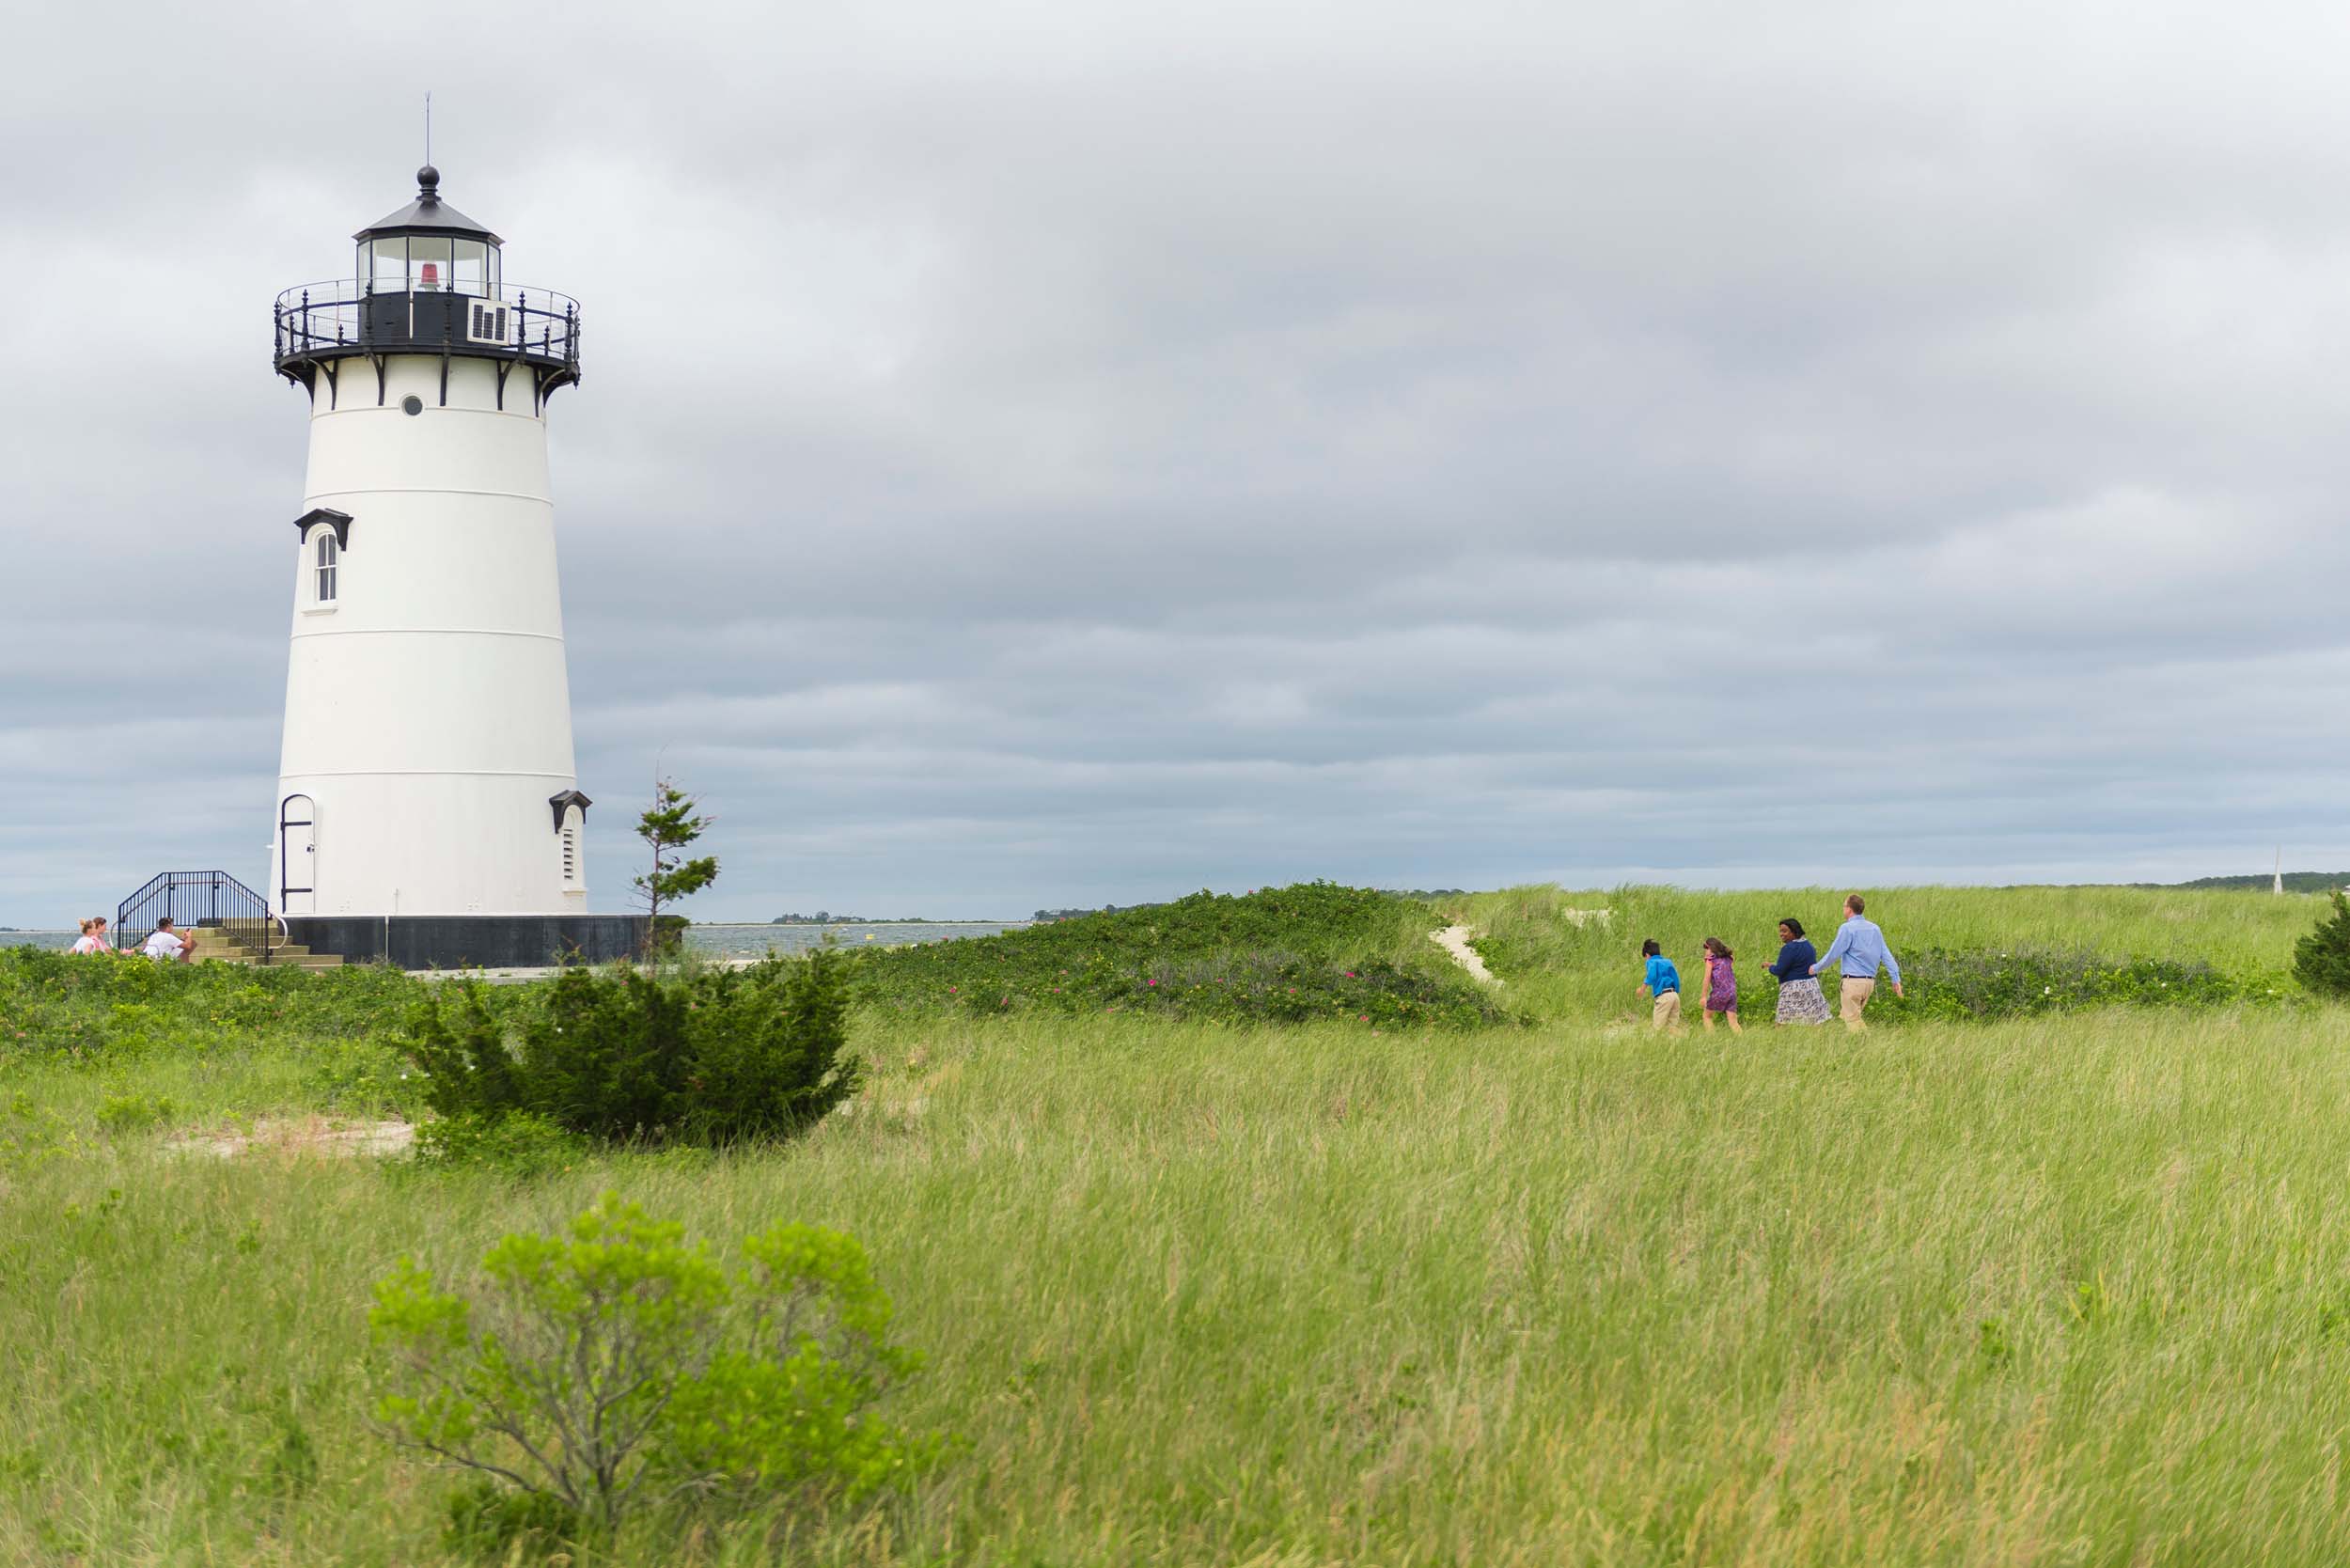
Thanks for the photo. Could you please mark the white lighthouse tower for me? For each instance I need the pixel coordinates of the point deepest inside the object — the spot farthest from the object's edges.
(427, 811)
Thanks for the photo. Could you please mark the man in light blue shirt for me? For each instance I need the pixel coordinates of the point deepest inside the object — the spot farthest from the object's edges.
(1860, 947)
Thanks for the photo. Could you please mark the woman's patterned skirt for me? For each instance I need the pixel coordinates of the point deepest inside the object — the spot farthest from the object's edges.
(1800, 1002)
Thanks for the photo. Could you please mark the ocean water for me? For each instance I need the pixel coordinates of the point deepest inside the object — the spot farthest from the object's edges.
(755, 941)
(717, 941)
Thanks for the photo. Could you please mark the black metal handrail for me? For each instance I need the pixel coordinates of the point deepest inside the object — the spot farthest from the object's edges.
(322, 318)
(199, 899)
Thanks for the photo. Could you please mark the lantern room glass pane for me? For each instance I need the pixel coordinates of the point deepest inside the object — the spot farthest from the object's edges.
(430, 262)
(470, 277)
(494, 270)
(389, 273)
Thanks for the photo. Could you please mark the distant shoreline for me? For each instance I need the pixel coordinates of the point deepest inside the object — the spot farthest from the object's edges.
(724, 939)
(761, 924)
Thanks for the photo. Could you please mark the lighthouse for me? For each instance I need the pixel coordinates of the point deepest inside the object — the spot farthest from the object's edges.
(428, 809)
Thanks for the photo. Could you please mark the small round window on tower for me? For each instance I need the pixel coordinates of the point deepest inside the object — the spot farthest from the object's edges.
(412, 404)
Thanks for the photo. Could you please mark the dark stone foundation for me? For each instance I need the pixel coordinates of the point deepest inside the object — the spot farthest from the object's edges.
(471, 941)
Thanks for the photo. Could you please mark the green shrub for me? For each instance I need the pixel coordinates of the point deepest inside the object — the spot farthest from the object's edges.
(461, 1051)
(2027, 982)
(617, 1366)
(518, 1143)
(2321, 960)
(714, 1056)
(99, 1009)
(766, 1047)
(605, 1055)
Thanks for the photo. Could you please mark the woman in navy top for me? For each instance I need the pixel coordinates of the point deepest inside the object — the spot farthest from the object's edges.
(1799, 997)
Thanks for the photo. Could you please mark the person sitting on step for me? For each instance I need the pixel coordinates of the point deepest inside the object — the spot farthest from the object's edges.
(167, 946)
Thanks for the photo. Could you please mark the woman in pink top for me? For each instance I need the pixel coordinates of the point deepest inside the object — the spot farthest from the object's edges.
(94, 936)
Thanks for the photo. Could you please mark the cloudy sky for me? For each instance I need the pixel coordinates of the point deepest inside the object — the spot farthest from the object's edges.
(1055, 453)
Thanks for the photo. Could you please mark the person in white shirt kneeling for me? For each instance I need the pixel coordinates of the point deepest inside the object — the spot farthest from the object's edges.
(168, 945)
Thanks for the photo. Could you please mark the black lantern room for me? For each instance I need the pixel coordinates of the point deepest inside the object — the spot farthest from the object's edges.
(429, 246)
(427, 280)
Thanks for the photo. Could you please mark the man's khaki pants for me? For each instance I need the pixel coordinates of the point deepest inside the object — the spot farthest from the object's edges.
(1666, 1014)
(1857, 995)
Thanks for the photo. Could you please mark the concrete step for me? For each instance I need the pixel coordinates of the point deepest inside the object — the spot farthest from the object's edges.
(239, 942)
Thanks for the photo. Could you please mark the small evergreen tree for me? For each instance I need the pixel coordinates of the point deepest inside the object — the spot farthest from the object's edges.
(668, 827)
(2321, 960)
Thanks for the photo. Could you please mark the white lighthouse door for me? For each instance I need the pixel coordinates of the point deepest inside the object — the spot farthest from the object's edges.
(297, 856)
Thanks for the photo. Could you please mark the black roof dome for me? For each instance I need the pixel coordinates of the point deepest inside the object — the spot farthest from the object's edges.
(428, 214)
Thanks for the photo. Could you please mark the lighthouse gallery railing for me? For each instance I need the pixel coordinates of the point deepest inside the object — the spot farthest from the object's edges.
(314, 318)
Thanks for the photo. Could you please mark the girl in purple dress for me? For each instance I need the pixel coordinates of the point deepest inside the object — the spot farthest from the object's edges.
(1721, 985)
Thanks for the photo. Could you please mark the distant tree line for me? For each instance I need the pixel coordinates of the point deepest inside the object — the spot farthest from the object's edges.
(826, 918)
(1105, 909)
(2295, 881)
(1042, 915)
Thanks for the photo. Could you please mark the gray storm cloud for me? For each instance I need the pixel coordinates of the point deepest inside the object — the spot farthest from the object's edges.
(1050, 454)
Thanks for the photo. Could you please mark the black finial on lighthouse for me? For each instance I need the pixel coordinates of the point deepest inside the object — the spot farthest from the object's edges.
(428, 184)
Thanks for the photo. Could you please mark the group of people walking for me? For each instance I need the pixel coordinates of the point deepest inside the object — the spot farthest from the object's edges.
(1860, 951)
(164, 943)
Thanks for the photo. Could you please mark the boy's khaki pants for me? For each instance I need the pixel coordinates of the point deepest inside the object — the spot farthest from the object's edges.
(1666, 1014)
(1857, 995)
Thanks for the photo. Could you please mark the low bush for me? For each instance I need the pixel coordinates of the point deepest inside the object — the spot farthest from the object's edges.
(2025, 981)
(124, 1006)
(2321, 960)
(711, 1056)
(517, 1143)
(616, 1366)
(1315, 950)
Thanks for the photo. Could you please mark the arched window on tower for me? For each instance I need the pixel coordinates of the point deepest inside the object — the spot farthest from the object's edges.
(325, 539)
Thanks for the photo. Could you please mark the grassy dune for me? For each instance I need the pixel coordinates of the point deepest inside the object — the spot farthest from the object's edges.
(1569, 971)
(2075, 1291)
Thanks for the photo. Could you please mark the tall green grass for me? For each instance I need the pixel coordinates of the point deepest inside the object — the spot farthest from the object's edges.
(2076, 1290)
(2070, 1290)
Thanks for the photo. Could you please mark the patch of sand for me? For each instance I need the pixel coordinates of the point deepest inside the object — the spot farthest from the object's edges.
(296, 1137)
(1454, 940)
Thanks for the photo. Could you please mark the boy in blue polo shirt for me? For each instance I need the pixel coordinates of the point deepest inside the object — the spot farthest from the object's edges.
(1663, 985)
